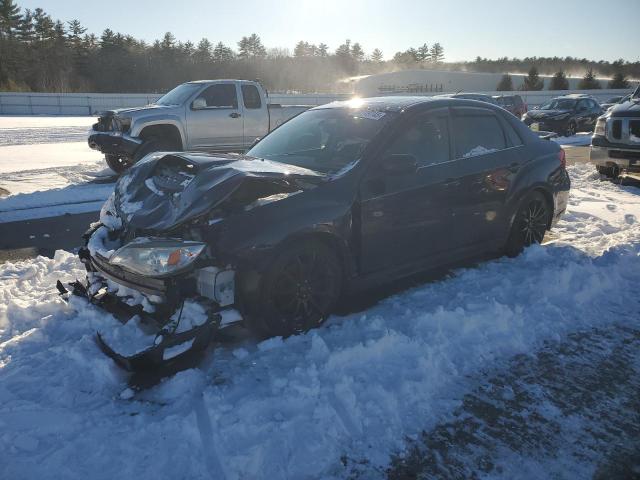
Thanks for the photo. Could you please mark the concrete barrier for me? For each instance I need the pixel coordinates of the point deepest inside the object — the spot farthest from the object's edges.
(18, 103)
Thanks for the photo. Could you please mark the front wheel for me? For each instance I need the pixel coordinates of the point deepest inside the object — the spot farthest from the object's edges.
(118, 163)
(571, 129)
(530, 224)
(297, 292)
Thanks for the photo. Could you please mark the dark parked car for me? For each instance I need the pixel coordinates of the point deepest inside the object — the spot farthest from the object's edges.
(565, 115)
(512, 103)
(342, 197)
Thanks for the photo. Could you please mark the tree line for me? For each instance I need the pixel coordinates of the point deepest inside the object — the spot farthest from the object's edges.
(558, 81)
(38, 53)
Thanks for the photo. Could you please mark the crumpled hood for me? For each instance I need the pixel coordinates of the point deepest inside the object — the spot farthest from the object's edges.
(537, 114)
(132, 111)
(168, 189)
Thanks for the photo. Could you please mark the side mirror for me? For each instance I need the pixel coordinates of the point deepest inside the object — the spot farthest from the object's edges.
(400, 163)
(199, 104)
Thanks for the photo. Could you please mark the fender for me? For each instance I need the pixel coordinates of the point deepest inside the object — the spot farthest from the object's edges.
(139, 124)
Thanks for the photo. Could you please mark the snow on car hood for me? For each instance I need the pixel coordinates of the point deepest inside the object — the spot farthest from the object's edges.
(133, 110)
(166, 190)
(630, 108)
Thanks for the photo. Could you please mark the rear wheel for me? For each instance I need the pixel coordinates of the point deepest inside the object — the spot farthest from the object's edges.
(118, 163)
(298, 291)
(530, 223)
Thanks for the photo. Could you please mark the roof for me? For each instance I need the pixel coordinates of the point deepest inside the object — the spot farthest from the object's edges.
(576, 95)
(389, 104)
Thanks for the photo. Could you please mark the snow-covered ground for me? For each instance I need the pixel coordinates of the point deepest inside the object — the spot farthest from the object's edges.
(340, 399)
(580, 139)
(46, 161)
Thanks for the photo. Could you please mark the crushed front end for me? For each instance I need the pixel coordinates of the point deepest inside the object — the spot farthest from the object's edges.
(169, 296)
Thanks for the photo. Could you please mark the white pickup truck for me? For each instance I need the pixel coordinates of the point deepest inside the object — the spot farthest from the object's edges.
(208, 115)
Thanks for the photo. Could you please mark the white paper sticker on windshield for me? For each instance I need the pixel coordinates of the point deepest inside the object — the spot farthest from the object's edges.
(370, 114)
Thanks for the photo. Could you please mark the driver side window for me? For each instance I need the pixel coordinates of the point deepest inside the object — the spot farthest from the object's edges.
(426, 138)
(220, 96)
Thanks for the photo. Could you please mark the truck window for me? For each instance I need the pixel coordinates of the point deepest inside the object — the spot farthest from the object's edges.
(221, 96)
(251, 97)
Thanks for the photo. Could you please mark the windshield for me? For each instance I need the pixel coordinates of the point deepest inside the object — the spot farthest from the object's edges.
(559, 104)
(178, 95)
(325, 140)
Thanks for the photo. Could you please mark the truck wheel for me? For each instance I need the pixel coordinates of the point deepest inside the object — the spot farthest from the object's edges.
(529, 225)
(118, 163)
(297, 292)
(152, 145)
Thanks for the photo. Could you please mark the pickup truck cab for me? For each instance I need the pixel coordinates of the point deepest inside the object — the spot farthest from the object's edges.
(204, 115)
(615, 145)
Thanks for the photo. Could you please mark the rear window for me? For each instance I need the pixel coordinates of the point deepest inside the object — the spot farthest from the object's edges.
(251, 97)
(476, 132)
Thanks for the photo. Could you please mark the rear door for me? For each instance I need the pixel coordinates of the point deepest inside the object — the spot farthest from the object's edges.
(214, 119)
(405, 216)
(487, 155)
(254, 114)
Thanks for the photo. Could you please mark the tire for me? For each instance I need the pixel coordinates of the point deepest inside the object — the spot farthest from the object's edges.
(152, 145)
(297, 292)
(530, 223)
(571, 129)
(118, 163)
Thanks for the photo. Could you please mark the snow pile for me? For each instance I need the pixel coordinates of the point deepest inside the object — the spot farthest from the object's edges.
(304, 406)
(580, 139)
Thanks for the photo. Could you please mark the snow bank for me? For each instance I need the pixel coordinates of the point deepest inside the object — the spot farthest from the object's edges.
(301, 407)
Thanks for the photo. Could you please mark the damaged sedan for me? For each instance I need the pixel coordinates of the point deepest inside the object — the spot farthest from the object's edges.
(343, 197)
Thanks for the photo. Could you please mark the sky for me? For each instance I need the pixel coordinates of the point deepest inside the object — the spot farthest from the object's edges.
(593, 29)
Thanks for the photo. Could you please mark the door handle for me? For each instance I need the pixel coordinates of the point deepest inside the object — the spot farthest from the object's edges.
(235, 115)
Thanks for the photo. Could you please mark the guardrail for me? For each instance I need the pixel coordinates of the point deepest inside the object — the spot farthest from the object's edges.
(17, 103)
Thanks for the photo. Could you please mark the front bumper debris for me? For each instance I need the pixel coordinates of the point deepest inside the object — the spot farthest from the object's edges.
(113, 143)
(168, 345)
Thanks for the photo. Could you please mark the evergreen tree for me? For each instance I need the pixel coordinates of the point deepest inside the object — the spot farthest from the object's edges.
(532, 81)
(222, 53)
(505, 84)
(437, 53)
(323, 50)
(202, 54)
(357, 52)
(376, 56)
(10, 19)
(559, 81)
(589, 81)
(424, 54)
(619, 80)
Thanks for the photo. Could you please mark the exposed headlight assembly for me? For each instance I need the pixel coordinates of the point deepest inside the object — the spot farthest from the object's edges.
(121, 124)
(157, 257)
(600, 126)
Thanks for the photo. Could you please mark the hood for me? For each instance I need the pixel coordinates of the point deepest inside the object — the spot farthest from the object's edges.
(167, 190)
(134, 110)
(630, 108)
(535, 114)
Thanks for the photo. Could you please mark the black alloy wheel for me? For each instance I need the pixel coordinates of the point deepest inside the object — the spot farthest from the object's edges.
(571, 129)
(118, 163)
(530, 223)
(298, 292)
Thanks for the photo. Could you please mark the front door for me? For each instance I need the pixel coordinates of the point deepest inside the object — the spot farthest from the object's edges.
(214, 120)
(404, 213)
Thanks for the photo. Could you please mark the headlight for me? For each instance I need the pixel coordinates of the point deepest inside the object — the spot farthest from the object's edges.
(157, 257)
(121, 124)
(600, 126)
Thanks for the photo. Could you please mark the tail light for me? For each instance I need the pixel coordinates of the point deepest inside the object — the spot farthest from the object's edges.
(563, 158)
